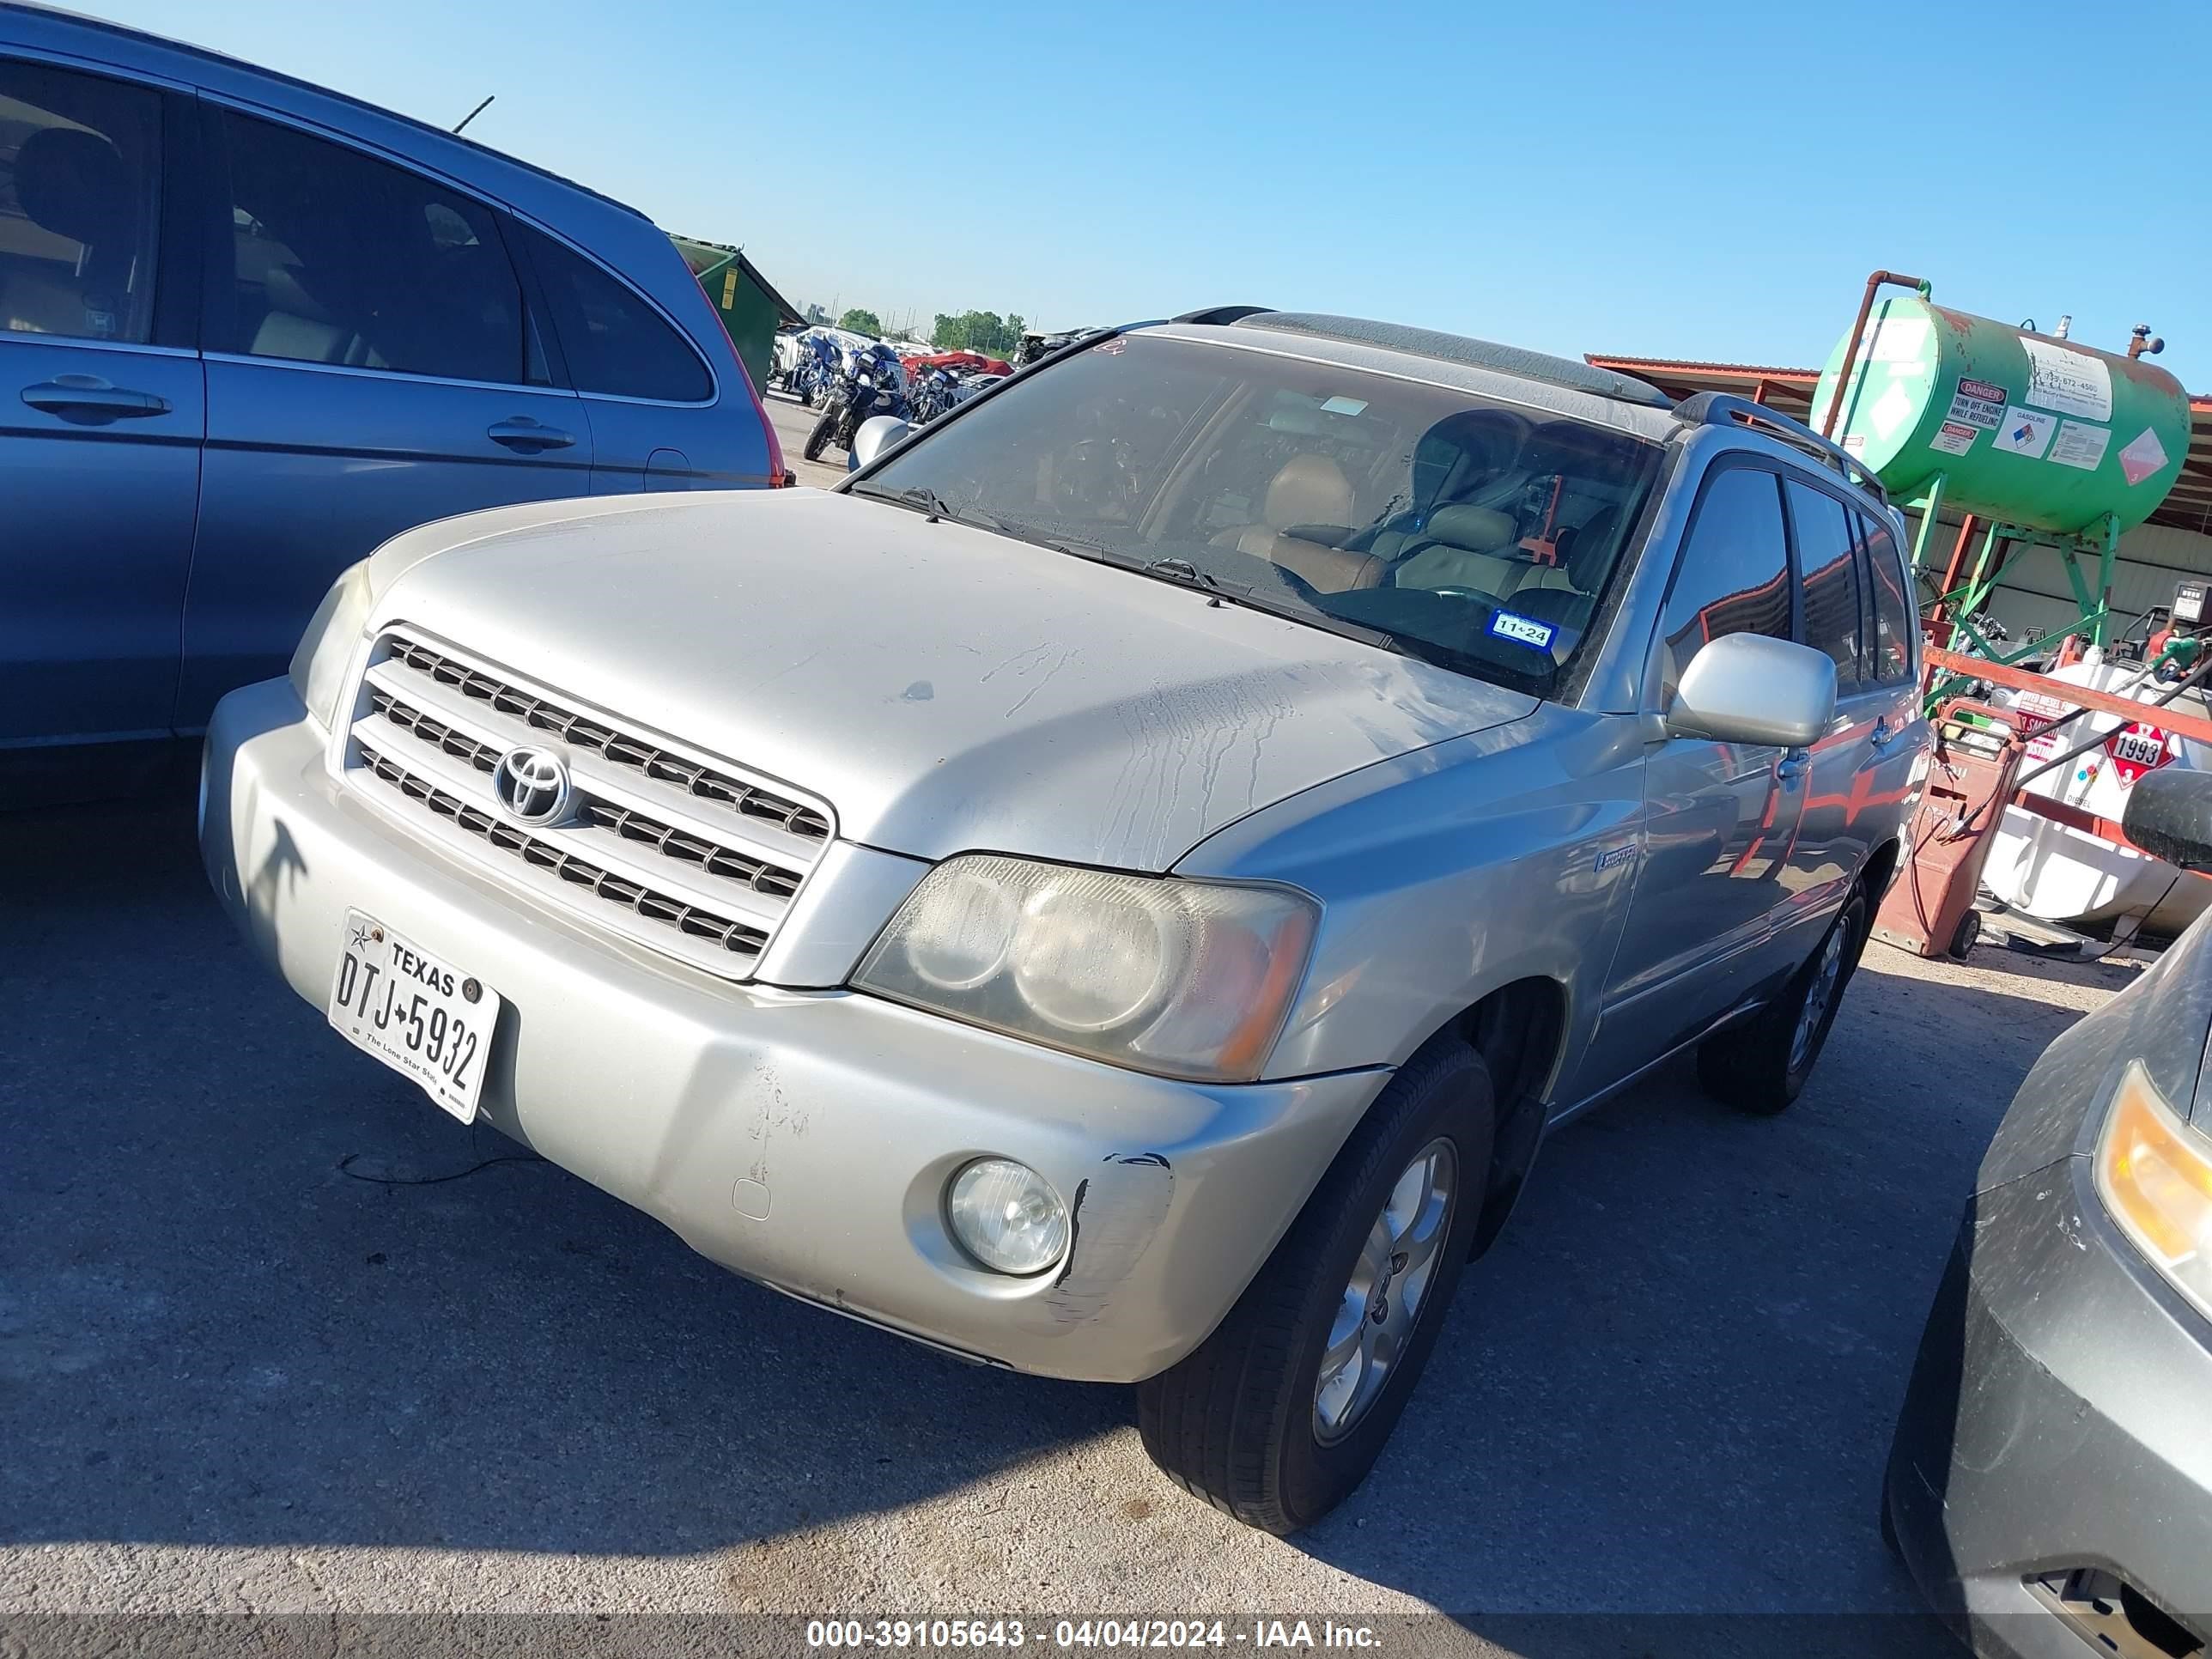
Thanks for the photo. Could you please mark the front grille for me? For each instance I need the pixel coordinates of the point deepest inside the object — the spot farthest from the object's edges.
(664, 838)
(691, 857)
(689, 919)
(747, 799)
(436, 733)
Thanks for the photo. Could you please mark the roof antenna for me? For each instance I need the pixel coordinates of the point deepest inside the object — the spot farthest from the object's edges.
(478, 111)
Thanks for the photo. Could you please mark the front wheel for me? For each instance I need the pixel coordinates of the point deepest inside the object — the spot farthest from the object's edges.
(1281, 1412)
(820, 435)
(1760, 1066)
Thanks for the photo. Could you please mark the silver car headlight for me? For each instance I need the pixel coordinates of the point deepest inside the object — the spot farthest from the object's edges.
(2154, 1174)
(319, 666)
(1188, 979)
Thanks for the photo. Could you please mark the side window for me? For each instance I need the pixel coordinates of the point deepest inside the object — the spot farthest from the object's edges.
(80, 163)
(615, 341)
(1828, 573)
(337, 258)
(1734, 577)
(1896, 621)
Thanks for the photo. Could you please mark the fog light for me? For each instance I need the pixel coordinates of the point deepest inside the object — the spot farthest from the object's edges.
(1007, 1216)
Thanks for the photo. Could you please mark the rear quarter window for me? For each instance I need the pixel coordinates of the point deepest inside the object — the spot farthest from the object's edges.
(615, 342)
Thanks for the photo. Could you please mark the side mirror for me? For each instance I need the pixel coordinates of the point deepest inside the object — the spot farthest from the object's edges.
(2169, 816)
(876, 434)
(1747, 688)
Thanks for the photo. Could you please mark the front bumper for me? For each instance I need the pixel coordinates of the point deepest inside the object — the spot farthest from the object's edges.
(802, 1139)
(2059, 1419)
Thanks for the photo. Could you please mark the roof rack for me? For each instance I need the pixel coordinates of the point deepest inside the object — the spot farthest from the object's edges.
(1725, 408)
(1221, 314)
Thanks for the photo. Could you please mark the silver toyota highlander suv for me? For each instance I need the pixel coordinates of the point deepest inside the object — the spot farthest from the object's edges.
(1119, 887)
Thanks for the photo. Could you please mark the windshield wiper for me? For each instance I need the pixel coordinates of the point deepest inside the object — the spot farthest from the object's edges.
(920, 498)
(1180, 570)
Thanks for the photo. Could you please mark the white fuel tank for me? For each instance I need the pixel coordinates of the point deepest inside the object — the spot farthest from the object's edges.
(2063, 875)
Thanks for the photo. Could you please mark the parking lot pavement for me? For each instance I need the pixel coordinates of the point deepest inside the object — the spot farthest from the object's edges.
(793, 424)
(239, 1371)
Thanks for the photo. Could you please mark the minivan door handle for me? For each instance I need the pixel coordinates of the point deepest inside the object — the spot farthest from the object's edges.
(88, 400)
(522, 434)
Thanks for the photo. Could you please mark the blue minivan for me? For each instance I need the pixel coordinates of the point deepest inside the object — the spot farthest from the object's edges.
(249, 329)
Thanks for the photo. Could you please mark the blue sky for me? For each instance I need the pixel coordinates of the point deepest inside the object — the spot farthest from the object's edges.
(1666, 179)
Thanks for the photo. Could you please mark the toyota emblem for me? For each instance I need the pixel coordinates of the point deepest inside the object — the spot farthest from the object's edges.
(532, 784)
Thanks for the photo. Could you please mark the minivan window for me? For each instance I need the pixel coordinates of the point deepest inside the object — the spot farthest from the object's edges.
(79, 167)
(337, 258)
(615, 343)
(1896, 621)
(1734, 577)
(1828, 575)
(1469, 531)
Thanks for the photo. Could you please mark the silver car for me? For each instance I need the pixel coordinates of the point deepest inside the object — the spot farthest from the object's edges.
(1119, 887)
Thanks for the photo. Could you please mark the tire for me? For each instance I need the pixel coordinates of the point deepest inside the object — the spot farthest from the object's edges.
(820, 435)
(1968, 934)
(1759, 1068)
(1238, 1422)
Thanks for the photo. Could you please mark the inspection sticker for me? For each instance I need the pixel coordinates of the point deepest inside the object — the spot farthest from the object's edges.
(2022, 432)
(2070, 381)
(1527, 630)
(1954, 438)
(2079, 444)
(1978, 402)
(2145, 456)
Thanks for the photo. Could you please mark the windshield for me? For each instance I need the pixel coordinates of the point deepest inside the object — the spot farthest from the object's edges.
(1476, 534)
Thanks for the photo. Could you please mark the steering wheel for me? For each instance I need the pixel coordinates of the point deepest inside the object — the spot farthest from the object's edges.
(1299, 585)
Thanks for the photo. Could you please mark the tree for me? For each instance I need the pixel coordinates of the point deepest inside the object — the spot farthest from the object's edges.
(978, 330)
(861, 320)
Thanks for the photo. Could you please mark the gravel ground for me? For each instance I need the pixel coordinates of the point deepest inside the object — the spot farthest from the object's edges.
(233, 1375)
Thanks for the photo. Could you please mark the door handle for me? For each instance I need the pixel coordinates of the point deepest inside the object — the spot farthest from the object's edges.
(522, 434)
(1794, 765)
(89, 401)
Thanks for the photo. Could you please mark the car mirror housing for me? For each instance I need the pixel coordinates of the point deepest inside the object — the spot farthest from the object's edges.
(2169, 815)
(876, 434)
(1747, 688)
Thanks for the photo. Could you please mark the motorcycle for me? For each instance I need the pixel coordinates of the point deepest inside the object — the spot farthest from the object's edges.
(816, 368)
(869, 386)
(935, 391)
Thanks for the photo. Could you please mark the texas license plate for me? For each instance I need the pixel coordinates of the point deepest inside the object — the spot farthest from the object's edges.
(415, 1013)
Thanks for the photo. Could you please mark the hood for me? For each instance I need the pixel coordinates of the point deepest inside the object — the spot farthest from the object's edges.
(943, 688)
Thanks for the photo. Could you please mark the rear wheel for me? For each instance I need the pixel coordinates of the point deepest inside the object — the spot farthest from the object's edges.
(820, 436)
(1760, 1066)
(1281, 1413)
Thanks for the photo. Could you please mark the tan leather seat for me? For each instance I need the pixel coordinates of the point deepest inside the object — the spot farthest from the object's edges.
(1465, 546)
(1307, 490)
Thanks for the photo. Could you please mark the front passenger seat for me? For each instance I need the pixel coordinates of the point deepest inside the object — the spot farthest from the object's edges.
(1308, 491)
(1585, 558)
(1464, 546)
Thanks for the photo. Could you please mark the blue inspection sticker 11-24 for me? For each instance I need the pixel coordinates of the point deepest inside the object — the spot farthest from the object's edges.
(1522, 630)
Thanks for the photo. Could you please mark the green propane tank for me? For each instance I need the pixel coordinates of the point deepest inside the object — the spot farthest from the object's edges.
(2028, 430)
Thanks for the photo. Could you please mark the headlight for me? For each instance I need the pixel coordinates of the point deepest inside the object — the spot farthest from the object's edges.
(2154, 1174)
(1185, 978)
(319, 666)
